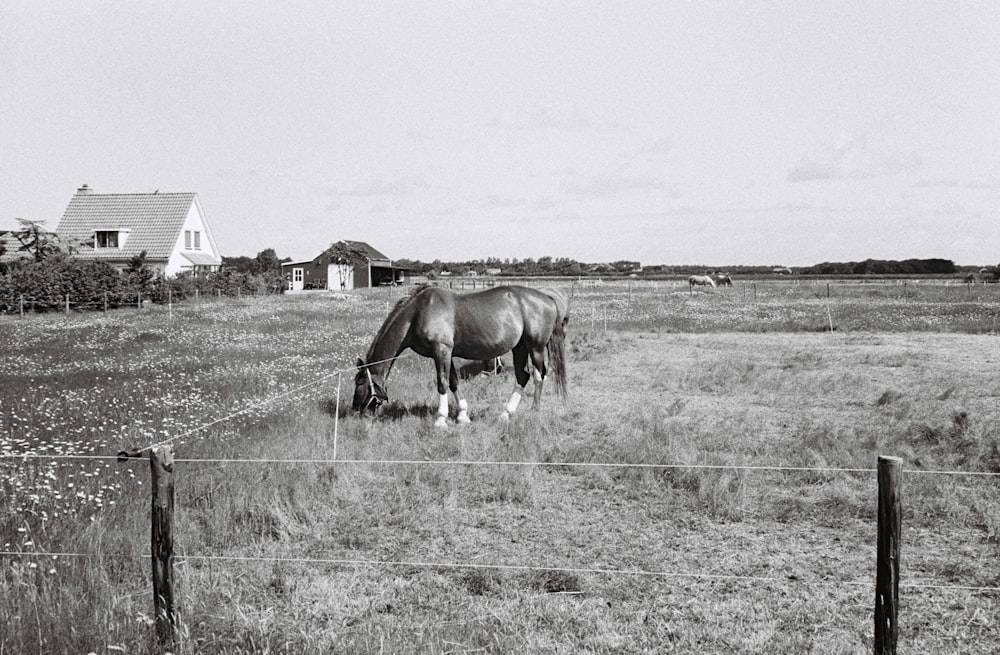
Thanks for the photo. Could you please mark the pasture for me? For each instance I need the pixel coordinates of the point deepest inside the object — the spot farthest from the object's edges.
(519, 537)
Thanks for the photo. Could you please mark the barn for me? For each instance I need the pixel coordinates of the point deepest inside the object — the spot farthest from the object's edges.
(343, 266)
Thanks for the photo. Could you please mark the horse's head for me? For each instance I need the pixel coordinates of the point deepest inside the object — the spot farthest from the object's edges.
(369, 390)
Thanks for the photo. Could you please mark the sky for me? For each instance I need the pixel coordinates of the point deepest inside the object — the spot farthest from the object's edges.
(757, 133)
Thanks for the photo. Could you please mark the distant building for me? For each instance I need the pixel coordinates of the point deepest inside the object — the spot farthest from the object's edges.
(343, 266)
(170, 228)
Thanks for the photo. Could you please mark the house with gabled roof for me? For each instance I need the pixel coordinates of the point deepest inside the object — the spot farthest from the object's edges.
(170, 228)
(344, 265)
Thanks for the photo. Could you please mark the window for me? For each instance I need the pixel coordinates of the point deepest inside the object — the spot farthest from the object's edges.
(106, 239)
(192, 240)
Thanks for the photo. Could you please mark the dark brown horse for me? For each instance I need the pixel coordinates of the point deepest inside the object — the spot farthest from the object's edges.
(441, 324)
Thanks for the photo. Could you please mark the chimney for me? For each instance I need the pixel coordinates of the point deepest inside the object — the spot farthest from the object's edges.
(84, 189)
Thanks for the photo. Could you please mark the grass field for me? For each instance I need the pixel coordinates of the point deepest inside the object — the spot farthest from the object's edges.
(558, 550)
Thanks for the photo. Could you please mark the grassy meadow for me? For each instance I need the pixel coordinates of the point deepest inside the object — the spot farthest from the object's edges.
(519, 537)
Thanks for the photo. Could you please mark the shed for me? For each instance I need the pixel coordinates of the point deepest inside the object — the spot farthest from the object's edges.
(344, 265)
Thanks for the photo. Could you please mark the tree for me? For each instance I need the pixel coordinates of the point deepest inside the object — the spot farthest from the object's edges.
(267, 262)
(35, 239)
(138, 276)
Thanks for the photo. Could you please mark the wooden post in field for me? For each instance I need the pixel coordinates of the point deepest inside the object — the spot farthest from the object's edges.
(67, 303)
(336, 418)
(161, 467)
(105, 302)
(170, 303)
(887, 562)
(138, 299)
(22, 305)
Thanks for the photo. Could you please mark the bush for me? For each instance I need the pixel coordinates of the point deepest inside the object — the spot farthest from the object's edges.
(45, 283)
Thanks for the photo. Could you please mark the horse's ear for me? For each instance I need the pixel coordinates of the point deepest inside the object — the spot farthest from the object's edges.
(361, 362)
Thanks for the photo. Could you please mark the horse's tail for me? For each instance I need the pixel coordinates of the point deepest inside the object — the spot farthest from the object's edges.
(556, 347)
(557, 360)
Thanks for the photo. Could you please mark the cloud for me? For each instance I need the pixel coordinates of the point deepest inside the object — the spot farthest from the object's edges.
(553, 116)
(662, 146)
(386, 188)
(853, 157)
(924, 183)
(612, 183)
(237, 174)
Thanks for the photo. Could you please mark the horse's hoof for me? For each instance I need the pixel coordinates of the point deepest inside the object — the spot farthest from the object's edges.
(463, 418)
(504, 417)
(441, 423)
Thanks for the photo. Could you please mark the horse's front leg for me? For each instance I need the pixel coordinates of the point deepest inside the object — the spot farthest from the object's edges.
(463, 407)
(442, 364)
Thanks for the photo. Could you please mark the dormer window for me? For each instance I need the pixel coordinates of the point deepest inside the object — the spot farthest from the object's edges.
(104, 239)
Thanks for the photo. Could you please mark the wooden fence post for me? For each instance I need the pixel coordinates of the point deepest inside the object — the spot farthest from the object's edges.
(105, 302)
(161, 466)
(887, 562)
(22, 305)
(138, 299)
(67, 303)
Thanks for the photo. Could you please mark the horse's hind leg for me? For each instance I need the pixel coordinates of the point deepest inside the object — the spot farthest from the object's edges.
(463, 407)
(538, 375)
(521, 375)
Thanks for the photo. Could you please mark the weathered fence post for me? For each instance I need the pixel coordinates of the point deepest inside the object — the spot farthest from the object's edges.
(105, 302)
(138, 299)
(22, 305)
(161, 467)
(170, 303)
(887, 562)
(67, 303)
(336, 418)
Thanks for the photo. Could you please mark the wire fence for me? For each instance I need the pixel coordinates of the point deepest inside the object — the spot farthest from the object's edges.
(786, 580)
(662, 574)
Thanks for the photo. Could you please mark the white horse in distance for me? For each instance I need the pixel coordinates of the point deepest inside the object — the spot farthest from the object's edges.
(701, 280)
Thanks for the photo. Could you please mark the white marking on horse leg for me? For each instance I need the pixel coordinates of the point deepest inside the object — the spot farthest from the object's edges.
(463, 411)
(536, 375)
(513, 402)
(442, 419)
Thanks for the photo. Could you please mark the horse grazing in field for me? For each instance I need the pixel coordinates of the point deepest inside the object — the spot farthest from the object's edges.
(723, 280)
(701, 280)
(441, 324)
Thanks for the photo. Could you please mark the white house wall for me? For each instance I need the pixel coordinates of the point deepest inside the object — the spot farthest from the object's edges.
(194, 222)
(339, 276)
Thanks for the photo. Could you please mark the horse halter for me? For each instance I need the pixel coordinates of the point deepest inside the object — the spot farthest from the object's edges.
(373, 397)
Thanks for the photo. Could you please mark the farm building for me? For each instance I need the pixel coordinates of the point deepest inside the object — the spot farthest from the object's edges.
(115, 227)
(344, 265)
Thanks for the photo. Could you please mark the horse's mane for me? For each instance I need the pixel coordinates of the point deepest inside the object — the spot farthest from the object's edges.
(394, 313)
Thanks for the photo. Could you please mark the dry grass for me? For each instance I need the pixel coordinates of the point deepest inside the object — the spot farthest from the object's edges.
(498, 558)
